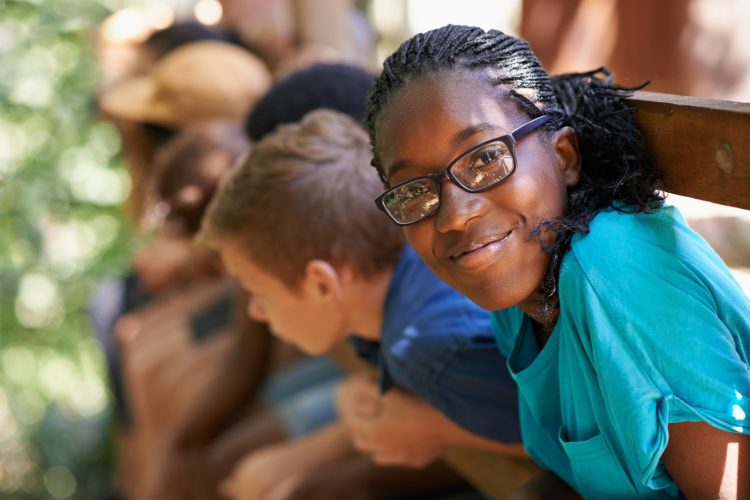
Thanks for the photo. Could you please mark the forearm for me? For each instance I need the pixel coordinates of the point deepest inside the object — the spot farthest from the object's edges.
(274, 471)
(453, 435)
(401, 429)
(328, 444)
(230, 391)
(456, 436)
(246, 436)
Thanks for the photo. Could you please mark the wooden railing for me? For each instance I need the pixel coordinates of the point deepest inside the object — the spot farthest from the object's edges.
(703, 145)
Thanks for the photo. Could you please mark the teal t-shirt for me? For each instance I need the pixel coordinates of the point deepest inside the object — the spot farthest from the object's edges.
(653, 330)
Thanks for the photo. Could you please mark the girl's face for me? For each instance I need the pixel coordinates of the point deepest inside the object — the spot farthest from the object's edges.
(479, 243)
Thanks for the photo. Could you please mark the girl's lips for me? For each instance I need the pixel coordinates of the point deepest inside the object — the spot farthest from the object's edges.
(477, 255)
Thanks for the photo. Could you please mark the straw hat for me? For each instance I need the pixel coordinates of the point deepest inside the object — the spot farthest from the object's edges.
(197, 81)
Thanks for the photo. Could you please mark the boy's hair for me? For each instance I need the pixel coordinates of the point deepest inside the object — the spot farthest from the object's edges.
(306, 192)
(616, 165)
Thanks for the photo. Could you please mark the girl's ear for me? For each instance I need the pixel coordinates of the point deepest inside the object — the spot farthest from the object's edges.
(322, 282)
(565, 146)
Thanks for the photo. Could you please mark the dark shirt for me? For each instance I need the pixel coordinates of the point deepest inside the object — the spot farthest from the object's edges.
(439, 346)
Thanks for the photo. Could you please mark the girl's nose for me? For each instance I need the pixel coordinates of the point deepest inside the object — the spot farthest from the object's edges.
(457, 207)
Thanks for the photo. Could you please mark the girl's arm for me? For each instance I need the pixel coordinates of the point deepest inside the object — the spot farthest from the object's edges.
(706, 462)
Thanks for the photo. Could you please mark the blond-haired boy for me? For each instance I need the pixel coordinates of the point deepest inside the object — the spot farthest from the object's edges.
(297, 225)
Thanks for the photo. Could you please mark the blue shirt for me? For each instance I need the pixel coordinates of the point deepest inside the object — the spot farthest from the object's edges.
(653, 330)
(439, 345)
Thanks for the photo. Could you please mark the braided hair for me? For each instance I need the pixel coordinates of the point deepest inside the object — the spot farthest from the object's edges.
(616, 165)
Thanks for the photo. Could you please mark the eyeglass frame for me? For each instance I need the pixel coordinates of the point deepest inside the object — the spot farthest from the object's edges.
(510, 139)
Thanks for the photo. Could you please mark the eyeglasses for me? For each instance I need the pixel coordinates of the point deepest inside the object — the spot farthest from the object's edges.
(478, 169)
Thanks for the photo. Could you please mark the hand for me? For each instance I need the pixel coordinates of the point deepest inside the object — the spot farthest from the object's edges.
(397, 428)
(270, 473)
(273, 472)
(357, 397)
(350, 479)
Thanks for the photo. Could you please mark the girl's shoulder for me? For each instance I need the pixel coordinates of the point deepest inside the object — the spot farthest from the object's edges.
(621, 241)
(648, 272)
(619, 229)
(639, 266)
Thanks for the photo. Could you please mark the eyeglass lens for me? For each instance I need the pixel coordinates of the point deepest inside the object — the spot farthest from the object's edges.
(476, 170)
(483, 167)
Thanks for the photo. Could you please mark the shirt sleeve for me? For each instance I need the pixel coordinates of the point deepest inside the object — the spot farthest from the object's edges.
(664, 328)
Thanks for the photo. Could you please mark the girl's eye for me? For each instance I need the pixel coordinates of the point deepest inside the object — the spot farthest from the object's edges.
(415, 191)
(487, 156)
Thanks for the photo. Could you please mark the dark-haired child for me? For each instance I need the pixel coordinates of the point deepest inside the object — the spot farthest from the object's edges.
(296, 224)
(535, 197)
(341, 87)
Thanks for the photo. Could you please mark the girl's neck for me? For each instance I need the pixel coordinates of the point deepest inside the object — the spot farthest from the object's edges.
(544, 314)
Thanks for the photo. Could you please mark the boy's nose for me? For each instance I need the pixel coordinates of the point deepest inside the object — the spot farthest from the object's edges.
(457, 207)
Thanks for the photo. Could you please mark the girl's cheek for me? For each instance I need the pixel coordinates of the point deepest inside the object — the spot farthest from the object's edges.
(419, 237)
(539, 192)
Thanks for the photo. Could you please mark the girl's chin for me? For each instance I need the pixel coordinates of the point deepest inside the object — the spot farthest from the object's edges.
(485, 297)
(492, 304)
(493, 297)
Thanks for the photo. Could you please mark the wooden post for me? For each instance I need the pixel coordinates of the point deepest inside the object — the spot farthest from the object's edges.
(702, 145)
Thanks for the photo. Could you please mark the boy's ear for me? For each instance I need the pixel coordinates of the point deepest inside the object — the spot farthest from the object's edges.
(322, 281)
(565, 146)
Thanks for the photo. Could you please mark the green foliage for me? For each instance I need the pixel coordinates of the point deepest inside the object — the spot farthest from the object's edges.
(61, 230)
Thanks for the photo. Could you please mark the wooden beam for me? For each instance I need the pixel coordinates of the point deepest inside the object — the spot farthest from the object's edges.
(703, 145)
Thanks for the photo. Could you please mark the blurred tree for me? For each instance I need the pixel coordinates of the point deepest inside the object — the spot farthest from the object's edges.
(61, 229)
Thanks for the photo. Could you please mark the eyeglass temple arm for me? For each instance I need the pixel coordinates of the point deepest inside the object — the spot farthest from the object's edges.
(524, 129)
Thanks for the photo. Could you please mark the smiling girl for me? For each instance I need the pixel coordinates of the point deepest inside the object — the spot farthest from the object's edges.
(536, 197)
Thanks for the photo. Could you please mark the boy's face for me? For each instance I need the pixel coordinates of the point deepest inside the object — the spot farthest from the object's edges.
(301, 317)
(482, 244)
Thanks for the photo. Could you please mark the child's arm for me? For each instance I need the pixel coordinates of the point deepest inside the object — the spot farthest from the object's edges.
(400, 429)
(274, 471)
(706, 462)
(237, 379)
